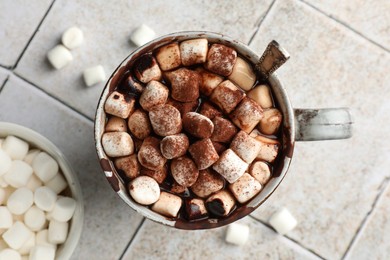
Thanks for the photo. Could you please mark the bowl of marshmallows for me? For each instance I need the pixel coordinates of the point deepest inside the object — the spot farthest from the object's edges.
(41, 205)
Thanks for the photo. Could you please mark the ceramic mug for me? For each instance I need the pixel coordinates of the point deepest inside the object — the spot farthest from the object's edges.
(297, 125)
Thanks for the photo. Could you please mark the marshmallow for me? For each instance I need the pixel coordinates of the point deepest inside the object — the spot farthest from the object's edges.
(3, 183)
(19, 174)
(57, 184)
(165, 120)
(198, 125)
(129, 165)
(5, 193)
(159, 175)
(41, 239)
(57, 232)
(5, 162)
(268, 147)
(45, 198)
(246, 147)
(193, 51)
(41, 252)
(237, 234)
(230, 166)
(262, 95)
(203, 153)
(195, 209)
(17, 235)
(132, 86)
(117, 144)
(260, 171)
(146, 68)
(221, 59)
(184, 84)
(209, 81)
(226, 96)
(64, 209)
(184, 171)
(247, 115)
(20, 201)
(183, 107)
(28, 245)
(224, 130)
(282, 221)
(154, 94)
(15, 147)
(168, 56)
(119, 105)
(10, 254)
(144, 190)
(245, 188)
(207, 183)
(219, 147)
(243, 74)
(31, 155)
(34, 218)
(174, 146)
(72, 37)
(5, 218)
(220, 203)
(209, 110)
(270, 122)
(142, 35)
(34, 182)
(139, 124)
(149, 155)
(45, 167)
(59, 57)
(94, 75)
(168, 205)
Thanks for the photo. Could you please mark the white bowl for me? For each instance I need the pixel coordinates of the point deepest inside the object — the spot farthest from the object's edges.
(36, 140)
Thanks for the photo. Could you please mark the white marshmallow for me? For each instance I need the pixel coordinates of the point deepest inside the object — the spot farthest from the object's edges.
(144, 190)
(10, 254)
(282, 221)
(41, 252)
(3, 183)
(31, 155)
(42, 239)
(94, 75)
(119, 105)
(168, 204)
(17, 235)
(59, 56)
(15, 147)
(5, 218)
(72, 37)
(20, 201)
(28, 245)
(57, 184)
(193, 51)
(117, 144)
(7, 191)
(19, 174)
(45, 167)
(57, 232)
(34, 183)
(142, 35)
(64, 209)
(45, 198)
(245, 188)
(5, 162)
(35, 218)
(237, 234)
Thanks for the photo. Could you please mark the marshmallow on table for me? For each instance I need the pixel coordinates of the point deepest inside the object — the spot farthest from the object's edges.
(282, 221)
(45, 167)
(31, 155)
(5, 162)
(142, 35)
(28, 245)
(16, 148)
(20, 201)
(17, 235)
(117, 144)
(10, 254)
(57, 232)
(42, 252)
(64, 209)
(18, 174)
(59, 56)
(94, 75)
(34, 218)
(72, 37)
(144, 190)
(45, 198)
(5, 218)
(237, 234)
(57, 184)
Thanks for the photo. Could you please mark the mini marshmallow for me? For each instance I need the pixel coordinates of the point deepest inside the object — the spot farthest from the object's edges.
(230, 166)
(64, 209)
(165, 120)
(5, 162)
(3, 183)
(159, 175)
(224, 130)
(243, 74)
(207, 183)
(41, 239)
(31, 155)
(72, 37)
(209, 110)
(20, 201)
(260, 171)
(94, 75)
(144, 190)
(203, 153)
(184, 84)
(17, 235)
(262, 95)
(245, 188)
(34, 218)
(209, 81)
(45, 198)
(226, 96)
(183, 107)
(59, 57)
(237, 234)
(174, 146)
(5, 218)
(247, 115)
(28, 245)
(129, 165)
(282, 221)
(5, 193)
(139, 124)
(198, 125)
(221, 59)
(195, 209)
(57, 231)
(149, 154)
(193, 51)
(118, 105)
(42, 252)
(184, 171)
(116, 124)
(168, 56)
(154, 94)
(146, 69)
(10, 254)
(15, 147)
(117, 144)
(268, 147)
(45, 167)
(34, 182)
(142, 35)
(246, 147)
(220, 203)
(168, 205)
(19, 174)
(271, 121)
(57, 184)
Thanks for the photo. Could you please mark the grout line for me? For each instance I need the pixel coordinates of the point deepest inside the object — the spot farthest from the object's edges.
(289, 238)
(346, 26)
(382, 188)
(261, 22)
(32, 36)
(5, 81)
(132, 238)
(5, 67)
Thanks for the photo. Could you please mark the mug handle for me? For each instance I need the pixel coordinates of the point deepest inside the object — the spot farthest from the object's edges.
(322, 124)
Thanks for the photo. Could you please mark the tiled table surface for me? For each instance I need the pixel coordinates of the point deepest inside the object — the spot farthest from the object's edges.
(338, 190)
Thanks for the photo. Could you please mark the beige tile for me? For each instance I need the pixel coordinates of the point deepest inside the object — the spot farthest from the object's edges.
(18, 21)
(155, 241)
(370, 18)
(331, 185)
(107, 27)
(376, 233)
